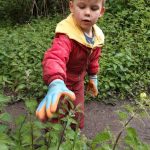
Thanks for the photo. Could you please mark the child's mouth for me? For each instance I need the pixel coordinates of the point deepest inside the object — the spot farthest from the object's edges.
(86, 21)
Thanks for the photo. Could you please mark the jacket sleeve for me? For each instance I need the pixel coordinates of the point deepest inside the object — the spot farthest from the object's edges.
(56, 58)
(93, 66)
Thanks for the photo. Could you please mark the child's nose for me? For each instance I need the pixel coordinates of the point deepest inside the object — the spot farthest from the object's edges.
(87, 12)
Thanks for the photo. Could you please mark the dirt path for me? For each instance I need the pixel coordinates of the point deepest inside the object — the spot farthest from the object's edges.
(98, 116)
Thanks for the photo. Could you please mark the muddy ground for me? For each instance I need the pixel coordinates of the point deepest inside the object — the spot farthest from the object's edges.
(99, 116)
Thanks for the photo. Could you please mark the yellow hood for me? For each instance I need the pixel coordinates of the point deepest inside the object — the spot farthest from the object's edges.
(69, 27)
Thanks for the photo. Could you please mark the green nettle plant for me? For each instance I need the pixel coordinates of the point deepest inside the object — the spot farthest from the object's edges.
(126, 56)
(29, 133)
(21, 55)
(124, 64)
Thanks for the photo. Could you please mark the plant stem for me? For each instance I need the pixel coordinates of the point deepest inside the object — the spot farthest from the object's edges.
(22, 123)
(62, 135)
(120, 133)
(74, 141)
(48, 145)
(31, 132)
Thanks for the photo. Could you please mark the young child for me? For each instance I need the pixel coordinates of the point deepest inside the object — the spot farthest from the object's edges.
(74, 53)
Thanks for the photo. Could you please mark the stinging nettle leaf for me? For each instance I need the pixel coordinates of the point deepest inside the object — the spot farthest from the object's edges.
(20, 87)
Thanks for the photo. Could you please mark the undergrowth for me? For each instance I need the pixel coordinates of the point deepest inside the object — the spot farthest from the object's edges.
(28, 133)
(124, 64)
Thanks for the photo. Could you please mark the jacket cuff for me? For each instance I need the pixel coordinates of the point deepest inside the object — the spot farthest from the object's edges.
(93, 76)
(93, 71)
(54, 78)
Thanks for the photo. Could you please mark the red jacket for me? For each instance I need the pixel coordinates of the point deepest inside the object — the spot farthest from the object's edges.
(70, 56)
(69, 60)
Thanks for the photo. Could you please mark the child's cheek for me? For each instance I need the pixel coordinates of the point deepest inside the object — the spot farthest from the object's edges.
(96, 16)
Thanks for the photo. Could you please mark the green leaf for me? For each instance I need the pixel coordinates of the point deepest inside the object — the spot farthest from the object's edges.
(20, 120)
(4, 139)
(31, 104)
(132, 138)
(122, 115)
(39, 125)
(104, 147)
(3, 128)
(4, 146)
(131, 132)
(4, 99)
(67, 145)
(20, 87)
(70, 134)
(100, 138)
(57, 127)
(6, 80)
(5, 117)
(112, 84)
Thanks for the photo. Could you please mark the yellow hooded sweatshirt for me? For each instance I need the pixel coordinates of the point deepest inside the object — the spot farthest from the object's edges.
(69, 27)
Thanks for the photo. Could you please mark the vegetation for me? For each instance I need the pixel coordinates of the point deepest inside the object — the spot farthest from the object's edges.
(125, 59)
(32, 134)
(21, 11)
(124, 71)
(124, 63)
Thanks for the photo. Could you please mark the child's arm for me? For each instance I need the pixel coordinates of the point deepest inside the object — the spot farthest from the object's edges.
(48, 105)
(93, 69)
(54, 74)
(56, 58)
(93, 66)
(92, 85)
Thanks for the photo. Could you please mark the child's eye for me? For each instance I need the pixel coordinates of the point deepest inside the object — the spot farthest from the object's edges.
(81, 6)
(94, 8)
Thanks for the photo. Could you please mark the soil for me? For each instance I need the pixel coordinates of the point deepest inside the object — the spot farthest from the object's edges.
(99, 116)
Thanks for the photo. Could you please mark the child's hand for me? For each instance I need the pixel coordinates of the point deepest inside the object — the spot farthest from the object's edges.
(48, 105)
(92, 85)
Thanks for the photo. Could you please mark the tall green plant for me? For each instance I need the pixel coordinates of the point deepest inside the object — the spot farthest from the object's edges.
(125, 56)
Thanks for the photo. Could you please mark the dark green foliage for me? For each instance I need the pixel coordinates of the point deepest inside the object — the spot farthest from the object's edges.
(21, 53)
(21, 11)
(29, 133)
(124, 65)
(32, 134)
(15, 10)
(125, 59)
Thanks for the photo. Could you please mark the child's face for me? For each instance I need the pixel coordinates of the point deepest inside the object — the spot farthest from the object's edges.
(87, 12)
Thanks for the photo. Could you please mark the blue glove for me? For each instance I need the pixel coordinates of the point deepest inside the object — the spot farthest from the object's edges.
(92, 85)
(48, 105)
